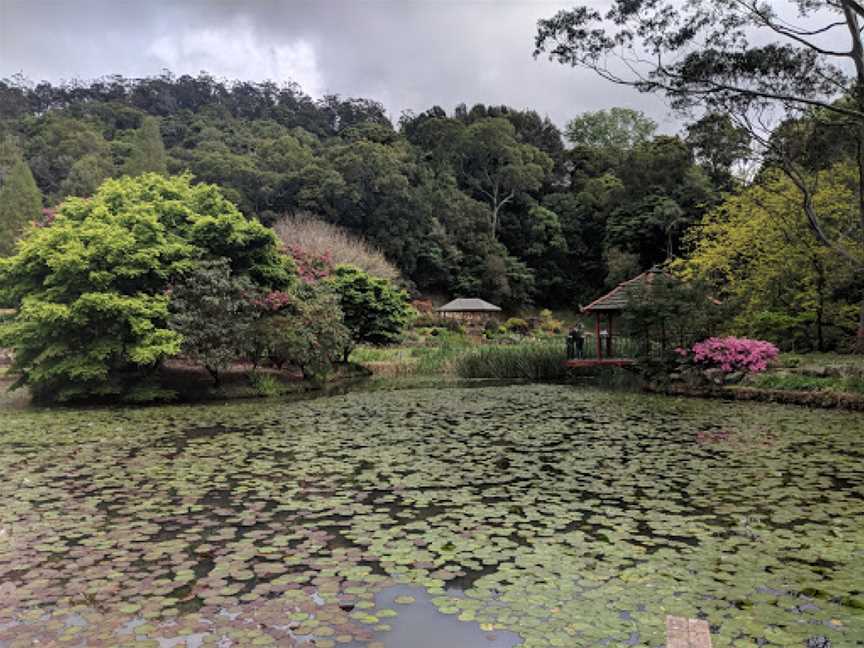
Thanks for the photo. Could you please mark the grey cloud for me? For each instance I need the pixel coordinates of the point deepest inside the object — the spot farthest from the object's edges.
(408, 54)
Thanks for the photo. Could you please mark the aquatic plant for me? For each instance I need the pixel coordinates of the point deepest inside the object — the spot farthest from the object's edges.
(573, 517)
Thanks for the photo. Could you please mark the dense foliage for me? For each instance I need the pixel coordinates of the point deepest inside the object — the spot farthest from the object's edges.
(488, 201)
(92, 288)
(214, 312)
(20, 203)
(786, 77)
(786, 287)
(668, 313)
(307, 330)
(483, 201)
(375, 310)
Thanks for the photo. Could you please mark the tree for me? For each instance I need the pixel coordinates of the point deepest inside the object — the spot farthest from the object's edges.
(497, 166)
(308, 331)
(148, 151)
(668, 313)
(86, 175)
(718, 144)
(616, 129)
(53, 142)
(375, 311)
(755, 250)
(750, 60)
(20, 204)
(621, 266)
(10, 153)
(213, 310)
(665, 192)
(91, 289)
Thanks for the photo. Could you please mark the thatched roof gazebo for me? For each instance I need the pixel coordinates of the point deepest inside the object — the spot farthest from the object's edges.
(468, 309)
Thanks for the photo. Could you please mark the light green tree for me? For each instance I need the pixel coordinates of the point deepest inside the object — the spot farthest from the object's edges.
(618, 129)
(92, 291)
(148, 151)
(20, 204)
(756, 250)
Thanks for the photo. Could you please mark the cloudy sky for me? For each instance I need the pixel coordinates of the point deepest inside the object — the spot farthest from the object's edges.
(408, 54)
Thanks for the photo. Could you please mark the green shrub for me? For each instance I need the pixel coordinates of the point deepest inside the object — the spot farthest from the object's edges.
(542, 360)
(308, 332)
(91, 289)
(264, 384)
(548, 324)
(375, 311)
(517, 325)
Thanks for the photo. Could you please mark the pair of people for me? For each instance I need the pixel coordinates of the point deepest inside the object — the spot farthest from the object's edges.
(576, 342)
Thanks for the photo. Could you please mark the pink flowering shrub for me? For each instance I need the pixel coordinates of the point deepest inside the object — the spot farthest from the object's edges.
(731, 354)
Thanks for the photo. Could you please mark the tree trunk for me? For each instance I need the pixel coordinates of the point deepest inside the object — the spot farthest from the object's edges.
(851, 11)
(495, 208)
(214, 373)
(859, 339)
(820, 307)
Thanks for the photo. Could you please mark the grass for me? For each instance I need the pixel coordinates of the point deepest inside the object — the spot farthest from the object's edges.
(821, 359)
(456, 353)
(264, 384)
(853, 384)
(535, 360)
(406, 360)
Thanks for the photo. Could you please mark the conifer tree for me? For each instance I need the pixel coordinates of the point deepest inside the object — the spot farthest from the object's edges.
(148, 152)
(20, 203)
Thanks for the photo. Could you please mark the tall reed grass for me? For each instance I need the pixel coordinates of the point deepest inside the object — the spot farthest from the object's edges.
(536, 360)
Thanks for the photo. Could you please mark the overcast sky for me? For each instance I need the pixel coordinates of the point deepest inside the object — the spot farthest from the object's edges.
(408, 54)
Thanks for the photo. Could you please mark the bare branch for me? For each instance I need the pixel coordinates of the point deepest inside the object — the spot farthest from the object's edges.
(788, 33)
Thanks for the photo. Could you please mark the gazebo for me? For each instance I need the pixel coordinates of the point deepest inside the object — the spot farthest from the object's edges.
(608, 307)
(468, 309)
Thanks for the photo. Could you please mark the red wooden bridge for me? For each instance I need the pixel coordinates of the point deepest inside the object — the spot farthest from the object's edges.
(599, 362)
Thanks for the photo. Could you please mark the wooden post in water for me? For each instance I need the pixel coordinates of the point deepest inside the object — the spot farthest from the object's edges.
(687, 633)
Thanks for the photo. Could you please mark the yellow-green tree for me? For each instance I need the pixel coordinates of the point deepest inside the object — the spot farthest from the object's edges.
(757, 250)
(148, 151)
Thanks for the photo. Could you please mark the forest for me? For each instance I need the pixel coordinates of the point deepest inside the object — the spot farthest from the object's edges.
(489, 201)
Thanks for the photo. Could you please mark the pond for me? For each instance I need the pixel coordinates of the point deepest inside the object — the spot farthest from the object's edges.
(531, 515)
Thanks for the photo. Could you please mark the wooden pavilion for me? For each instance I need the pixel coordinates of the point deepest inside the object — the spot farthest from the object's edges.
(607, 308)
(471, 309)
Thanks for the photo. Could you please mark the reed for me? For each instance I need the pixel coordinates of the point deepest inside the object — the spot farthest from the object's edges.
(535, 360)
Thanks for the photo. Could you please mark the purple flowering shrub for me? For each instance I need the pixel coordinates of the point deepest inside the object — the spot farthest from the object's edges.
(731, 354)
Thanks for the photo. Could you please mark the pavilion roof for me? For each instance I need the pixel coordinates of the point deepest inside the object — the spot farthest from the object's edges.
(468, 305)
(617, 298)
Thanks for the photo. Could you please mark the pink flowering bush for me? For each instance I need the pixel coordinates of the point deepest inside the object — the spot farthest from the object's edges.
(731, 354)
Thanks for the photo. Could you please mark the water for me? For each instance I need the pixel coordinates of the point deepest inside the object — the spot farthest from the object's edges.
(533, 515)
